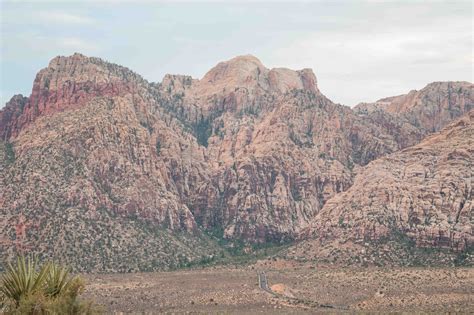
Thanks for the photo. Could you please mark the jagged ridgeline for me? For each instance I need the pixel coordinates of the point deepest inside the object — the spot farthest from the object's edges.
(105, 171)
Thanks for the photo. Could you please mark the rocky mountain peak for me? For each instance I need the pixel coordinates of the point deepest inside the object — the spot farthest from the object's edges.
(176, 83)
(242, 71)
(247, 73)
(241, 64)
(425, 111)
(69, 82)
(243, 60)
(429, 95)
(237, 69)
(283, 80)
(99, 156)
(10, 114)
(76, 57)
(79, 68)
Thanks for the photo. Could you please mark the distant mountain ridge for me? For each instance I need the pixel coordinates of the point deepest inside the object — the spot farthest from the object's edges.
(123, 172)
(420, 112)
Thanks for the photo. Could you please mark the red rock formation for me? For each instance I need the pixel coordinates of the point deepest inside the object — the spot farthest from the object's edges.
(421, 195)
(98, 155)
(10, 115)
(276, 148)
(70, 82)
(419, 113)
(93, 163)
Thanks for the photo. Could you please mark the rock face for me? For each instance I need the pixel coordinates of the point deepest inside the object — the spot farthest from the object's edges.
(276, 148)
(413, 116)
(421, 196)
(107, 171)
(88, 178)
(66, 83)
(10, 116)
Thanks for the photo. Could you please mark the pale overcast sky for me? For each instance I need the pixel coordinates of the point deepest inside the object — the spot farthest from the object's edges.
(359, 50)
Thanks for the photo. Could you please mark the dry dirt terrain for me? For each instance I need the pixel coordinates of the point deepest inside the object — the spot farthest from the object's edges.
(300, 288)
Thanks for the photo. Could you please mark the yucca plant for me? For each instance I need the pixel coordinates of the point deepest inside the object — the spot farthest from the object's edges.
(23, 279)
(58, 281)
(27, 288)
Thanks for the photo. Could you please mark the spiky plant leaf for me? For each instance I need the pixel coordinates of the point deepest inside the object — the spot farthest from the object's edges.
(22, 279)
(58, 281)
(27, 289)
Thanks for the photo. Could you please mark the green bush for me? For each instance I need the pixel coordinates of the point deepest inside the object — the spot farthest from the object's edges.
(203, 130)
(27, 288)
(158, 147)
(9, 153)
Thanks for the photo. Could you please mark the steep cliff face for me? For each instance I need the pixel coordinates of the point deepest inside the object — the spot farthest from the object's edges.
(70, 82)
(93, 171)
(413, 116)
(10, 116)
(105, 170)
(420, 197)
(277, 148)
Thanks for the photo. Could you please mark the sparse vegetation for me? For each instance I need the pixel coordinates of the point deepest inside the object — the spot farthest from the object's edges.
(296, 194)
(46, 83)
(463, 257)
(9, 153)
(341, 222)
(294, 137)
(158, 147)
(203, 130)
(147, 125)
(28, 288)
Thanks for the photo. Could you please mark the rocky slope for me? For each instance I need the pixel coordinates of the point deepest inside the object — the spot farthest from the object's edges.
(411, 117)
(277, 148)
(107, 171)
(84, 177)
(420, 198)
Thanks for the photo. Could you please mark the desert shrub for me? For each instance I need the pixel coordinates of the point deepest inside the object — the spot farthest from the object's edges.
(158, 147)
(203, 130)
(28, 288)
(22, 280)
(9, 153)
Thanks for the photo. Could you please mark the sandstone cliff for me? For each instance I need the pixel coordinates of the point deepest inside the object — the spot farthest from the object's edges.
(276, 147)
(105, 170)
(413, 116)
(86, 177)
(418, 198)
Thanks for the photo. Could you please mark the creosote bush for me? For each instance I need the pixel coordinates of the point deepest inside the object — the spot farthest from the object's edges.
(28, 288)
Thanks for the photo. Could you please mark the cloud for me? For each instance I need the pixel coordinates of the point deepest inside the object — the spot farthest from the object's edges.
(63, 45)
(22, 16)
(360, 50)
(383, 55)
(61, 17)
(77, 44)
(24, 45)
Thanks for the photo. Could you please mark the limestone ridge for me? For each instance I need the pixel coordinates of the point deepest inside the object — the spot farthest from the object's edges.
(107, 161)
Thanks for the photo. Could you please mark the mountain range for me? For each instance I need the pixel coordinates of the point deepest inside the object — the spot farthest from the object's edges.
(106, 171)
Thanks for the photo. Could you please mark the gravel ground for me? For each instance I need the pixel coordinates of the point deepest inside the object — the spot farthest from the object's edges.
(302, 289)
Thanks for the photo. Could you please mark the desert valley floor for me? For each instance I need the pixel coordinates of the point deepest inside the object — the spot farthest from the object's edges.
(301, 288)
